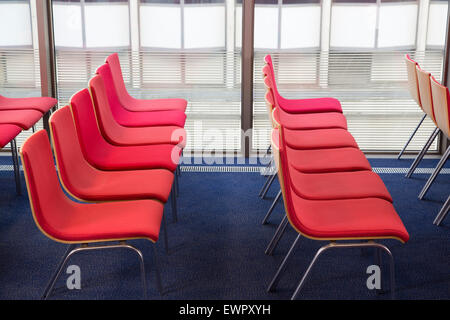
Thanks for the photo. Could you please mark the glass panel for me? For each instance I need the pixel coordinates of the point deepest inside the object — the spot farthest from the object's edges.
(19, 55)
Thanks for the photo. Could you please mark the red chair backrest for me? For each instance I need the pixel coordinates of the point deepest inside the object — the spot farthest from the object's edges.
(117, 77)
(49, 205)
(108, 88)
(89, 135)
(72, 166)
(103, 104)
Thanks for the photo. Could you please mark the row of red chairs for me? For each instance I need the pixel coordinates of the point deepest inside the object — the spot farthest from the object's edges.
(117, 155)
(17, 114)
(433, 99)
(328, 187)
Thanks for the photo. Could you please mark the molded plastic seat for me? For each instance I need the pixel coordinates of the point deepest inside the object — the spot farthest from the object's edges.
(22, 118)
(64, 220)
(308, 121)
(322, 186)
(42, 104)
(319, 139)
(300, 105)
(99, 153)
(338, 219)
(7, 133)
(366, 218)
(120, 135)
(133, 104)
(338, 185)
(137, 119)
(88, 183)
(327, 160)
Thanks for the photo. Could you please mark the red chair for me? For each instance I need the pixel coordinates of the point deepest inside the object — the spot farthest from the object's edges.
(8, 134)
(300, 121)
(307, 121)
(105, 156)
(41, 104)
(137, 119)
(85, 182)
(25, 118)
(133, 104)
(66, 221)
(117, 134)
(363, 219)
(316, 139)
(299, 105)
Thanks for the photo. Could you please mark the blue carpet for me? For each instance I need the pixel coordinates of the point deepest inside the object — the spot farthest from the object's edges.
(217, 248)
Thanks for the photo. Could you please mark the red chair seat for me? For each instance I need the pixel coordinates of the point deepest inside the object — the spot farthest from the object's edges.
(152, 118)
(140, 105)
(99, 153)
(137, 119)
(64, 220)
(327, 160)
(367, 218)
(133, 104)
(7, 133)
(316, 105)
(338, 185)
(42, 104)
(311, 121)
(319, 139)
(120, 135)
(88, 183)
(23, 118)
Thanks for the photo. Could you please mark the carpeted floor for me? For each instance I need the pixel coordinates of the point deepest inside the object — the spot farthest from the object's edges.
(217, 247)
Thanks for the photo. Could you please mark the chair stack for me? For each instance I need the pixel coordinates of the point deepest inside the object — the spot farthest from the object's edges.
(17, 114)
(328, 187)
(120, 162)
(433, 98)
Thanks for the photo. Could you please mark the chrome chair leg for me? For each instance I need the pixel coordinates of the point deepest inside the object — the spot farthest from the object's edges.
(422, 152)
(272, 178)
(265, 185)
(16, 165)
(348, 245)
(86, 247)
(412, 135)
(274, 203)
(173, 200)
(277, 236)
(57, 272)
(442, 213)
(435, 173)
(282, 266)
